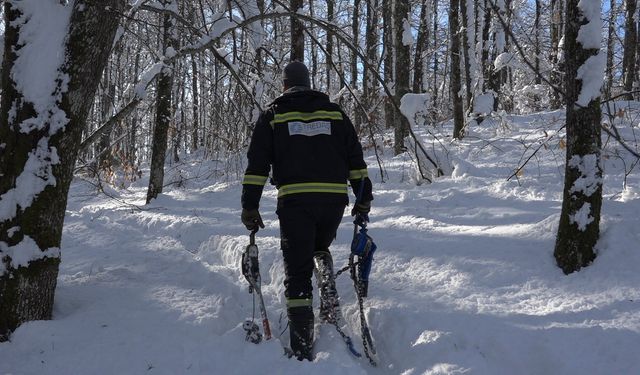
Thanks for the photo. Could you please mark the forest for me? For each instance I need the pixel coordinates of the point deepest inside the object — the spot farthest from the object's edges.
(116, 94)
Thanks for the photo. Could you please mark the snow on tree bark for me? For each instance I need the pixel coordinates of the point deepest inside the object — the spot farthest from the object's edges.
(41, 137)
(164, 111)
(578, 231)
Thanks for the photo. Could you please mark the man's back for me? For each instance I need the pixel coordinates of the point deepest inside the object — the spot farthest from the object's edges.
(311, 138)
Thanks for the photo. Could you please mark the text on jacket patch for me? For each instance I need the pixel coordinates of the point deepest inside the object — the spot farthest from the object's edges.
(309, 128)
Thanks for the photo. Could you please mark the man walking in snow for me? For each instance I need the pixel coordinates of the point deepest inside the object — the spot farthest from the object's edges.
(312, 149)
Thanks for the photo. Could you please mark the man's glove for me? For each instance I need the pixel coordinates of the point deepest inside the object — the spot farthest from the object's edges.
(362, 209)
(251, 219)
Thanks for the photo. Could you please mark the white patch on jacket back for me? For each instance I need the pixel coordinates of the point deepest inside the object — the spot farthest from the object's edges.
(309, 128)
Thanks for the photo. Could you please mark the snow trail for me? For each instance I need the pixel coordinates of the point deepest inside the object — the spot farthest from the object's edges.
(464, 279)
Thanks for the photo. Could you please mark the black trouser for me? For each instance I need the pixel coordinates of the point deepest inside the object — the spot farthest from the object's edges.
(305, 230)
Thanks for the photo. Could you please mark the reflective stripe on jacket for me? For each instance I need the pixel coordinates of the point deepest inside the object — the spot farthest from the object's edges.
(309, 147)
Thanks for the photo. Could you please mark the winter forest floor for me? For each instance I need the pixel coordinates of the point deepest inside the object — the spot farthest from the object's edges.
(464, 279)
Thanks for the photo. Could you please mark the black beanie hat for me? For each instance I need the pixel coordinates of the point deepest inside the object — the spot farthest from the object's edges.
(296, 74)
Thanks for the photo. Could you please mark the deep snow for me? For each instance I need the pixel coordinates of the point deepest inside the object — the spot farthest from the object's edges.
(464, 280)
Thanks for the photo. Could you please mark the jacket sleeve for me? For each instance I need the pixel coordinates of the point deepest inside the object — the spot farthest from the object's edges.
(259, 156)
(358, 174)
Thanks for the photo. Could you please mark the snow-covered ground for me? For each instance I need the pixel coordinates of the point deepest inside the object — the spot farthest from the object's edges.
(464, 280)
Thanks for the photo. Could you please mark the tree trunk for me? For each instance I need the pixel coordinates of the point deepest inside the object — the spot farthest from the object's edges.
(484, 56)
(499, 76)
(35, 226)
(355, 31)
(369, 83)
(456, 86)
(105, 159)
(297, 34)
(163, 114)
(610, 48)
(636, 85)
(435, 58)
(401, 12)
(578, 231)
(131, 147)
(421, 45)
(466, 48)
(536, 26)
(555, 58)
(314, 50)
(359, 117)
(194, 89)
(630, 44)
(496, 76)
(329, 57)
(103, 143)
(388, 58)
(179, 126)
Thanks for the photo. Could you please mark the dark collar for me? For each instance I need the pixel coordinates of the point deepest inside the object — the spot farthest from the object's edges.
(299, 91)
(293, 89)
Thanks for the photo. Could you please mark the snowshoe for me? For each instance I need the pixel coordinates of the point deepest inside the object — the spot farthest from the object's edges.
(329, 300)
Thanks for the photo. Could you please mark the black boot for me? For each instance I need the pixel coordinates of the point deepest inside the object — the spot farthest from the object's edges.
(329, 302)
(301, 332)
